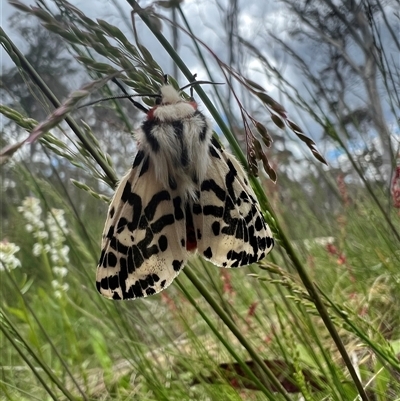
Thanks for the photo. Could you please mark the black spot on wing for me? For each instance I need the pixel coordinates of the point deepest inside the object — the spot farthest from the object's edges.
(116, 296)
(162, 222)
(150, 291)
(204, 128)
(122, 222)
(103, 252)
(216, 227)
(135, 290)
(213, 152)
(127, 192)
(239, 230)
(147, 128)
(216, 143)
(178, 131)
(110, 232)
(145, 166)
(102, 284)
(178, 212)
(144, 284)
(216, 211)
(235, 257)
(230, 178)
(177, 265)
(150, 209)
(163, 243)
(129, 264)
(112, 259)
(211, 185)
(172, 183)
(118, 246)
(143, 245)
(196, 208)
(143, 223)
(258, 224)
(208, 253)
(135, 260)
(138, 159)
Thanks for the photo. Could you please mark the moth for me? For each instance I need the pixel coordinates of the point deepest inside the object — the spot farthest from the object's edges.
(184, 194)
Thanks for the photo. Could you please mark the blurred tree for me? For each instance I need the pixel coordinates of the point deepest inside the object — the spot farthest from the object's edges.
(53, 60)
(47, 53)
(345, 51)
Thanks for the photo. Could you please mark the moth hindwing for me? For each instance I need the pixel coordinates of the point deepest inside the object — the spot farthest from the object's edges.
(183, 194)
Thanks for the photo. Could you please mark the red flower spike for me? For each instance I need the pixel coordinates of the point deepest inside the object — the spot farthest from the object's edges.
(395, 188)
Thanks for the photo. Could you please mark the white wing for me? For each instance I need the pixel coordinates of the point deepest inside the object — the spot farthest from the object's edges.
(144, 239)
(230, 228)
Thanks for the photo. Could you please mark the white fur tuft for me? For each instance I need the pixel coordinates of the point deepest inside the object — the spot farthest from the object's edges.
(170, 95)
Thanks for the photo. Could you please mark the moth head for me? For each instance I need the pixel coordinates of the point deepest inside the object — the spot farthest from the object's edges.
(169, 95)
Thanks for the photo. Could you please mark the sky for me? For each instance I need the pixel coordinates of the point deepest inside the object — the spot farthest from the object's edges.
(206, 22)
(204, 17)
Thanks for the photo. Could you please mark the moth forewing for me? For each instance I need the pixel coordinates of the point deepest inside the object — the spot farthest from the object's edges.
(183, 194)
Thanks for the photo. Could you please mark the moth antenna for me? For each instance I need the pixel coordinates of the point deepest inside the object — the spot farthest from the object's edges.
(127, 96)
(200, 83)
(120, 86)
(136, 104)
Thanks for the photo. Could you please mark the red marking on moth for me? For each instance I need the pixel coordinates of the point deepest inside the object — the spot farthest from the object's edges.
(191, 241)
(395, 187)
(150, 113)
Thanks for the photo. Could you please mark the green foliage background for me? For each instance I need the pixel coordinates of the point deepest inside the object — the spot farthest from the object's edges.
(319, 318)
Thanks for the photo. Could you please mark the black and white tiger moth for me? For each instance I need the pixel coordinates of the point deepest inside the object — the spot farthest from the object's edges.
(183, 194)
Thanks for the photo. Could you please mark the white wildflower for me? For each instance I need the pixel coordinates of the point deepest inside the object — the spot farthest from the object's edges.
(64, 253)
(42, 235)
(40, 225)
(51, 237)
(7, 259)
(58, 216)
(56, 224)
(60, 271)
(37, 249)
(57, 227)
(31, 210)
(321, 241)
(59, 288)
(54, 256)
